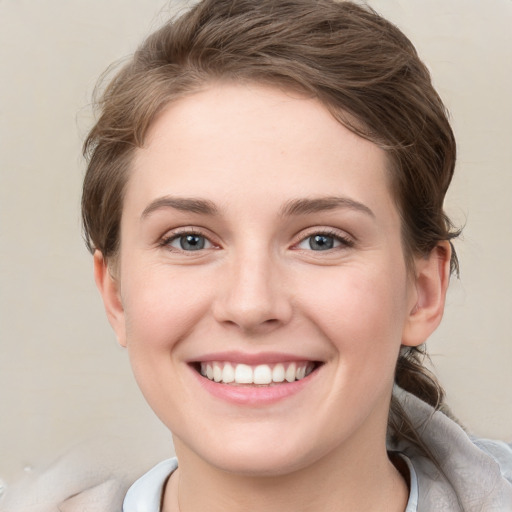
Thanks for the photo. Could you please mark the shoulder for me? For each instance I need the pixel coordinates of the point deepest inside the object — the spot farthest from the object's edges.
(469, 474)
(61, 489)
(501, 452)
(93, 477)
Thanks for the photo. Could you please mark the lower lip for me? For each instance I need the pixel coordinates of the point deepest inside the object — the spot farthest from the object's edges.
(254, 395)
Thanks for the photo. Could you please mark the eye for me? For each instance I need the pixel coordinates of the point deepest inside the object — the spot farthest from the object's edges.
(188, 242)
(323, 242)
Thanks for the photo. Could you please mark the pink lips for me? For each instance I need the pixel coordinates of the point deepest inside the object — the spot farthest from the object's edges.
(252, 394)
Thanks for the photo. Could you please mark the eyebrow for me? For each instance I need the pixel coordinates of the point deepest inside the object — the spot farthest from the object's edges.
(306, 206)
(193, 205)
(293, 207)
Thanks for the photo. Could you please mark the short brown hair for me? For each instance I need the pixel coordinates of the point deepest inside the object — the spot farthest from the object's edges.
(360, 66)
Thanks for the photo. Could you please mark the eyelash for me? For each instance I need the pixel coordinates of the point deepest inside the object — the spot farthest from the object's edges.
(344, 241)
(167, 240)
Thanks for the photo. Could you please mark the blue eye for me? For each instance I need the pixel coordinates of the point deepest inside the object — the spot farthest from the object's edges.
(323, 242)
(189, 242)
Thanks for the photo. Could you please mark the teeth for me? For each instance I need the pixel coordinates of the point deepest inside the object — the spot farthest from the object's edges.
(262, 374)
(228, 373)
(243, 374)
(217, 372)
(290, 374)
(278, 373)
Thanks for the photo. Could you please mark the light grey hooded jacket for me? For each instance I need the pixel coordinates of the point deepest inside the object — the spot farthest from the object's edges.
(475, 475)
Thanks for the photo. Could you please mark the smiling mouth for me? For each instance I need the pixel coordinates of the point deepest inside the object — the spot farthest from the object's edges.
(239, 374)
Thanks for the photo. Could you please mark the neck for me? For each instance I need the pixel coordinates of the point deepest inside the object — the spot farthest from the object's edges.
(365, 480)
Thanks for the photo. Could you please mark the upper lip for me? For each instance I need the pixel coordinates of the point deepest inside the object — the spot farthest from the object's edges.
(250, 359)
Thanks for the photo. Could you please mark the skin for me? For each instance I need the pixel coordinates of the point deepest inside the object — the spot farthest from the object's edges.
(258, 287)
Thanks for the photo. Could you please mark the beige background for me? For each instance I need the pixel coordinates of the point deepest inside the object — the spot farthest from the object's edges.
(63, 379)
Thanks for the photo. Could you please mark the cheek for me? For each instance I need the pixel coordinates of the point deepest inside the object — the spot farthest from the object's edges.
(360, 309)
(161, 308)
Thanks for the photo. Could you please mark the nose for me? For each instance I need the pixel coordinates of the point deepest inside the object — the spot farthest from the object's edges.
(253, 295)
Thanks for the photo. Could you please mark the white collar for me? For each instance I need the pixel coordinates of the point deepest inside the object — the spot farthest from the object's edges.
(145, 495)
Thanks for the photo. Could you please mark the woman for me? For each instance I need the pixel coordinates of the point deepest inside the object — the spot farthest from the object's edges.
(264, 201)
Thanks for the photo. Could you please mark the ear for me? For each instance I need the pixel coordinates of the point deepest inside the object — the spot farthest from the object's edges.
(108, 287)
(432, 276)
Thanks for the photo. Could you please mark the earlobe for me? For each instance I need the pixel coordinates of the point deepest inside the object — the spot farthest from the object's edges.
(108, 287)
(431, 283)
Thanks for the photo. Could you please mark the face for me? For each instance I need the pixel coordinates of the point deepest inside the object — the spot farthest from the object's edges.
(261, 288)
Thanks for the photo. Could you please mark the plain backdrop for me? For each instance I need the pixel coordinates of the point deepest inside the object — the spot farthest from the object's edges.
(63, 379)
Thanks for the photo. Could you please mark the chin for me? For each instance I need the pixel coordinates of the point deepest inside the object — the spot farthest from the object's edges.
(261, 463)
(257, 453)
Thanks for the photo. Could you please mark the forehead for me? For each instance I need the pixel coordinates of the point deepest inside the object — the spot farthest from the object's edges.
(230, 139)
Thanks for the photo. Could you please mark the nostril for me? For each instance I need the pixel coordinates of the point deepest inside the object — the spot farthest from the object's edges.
(250, 324)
